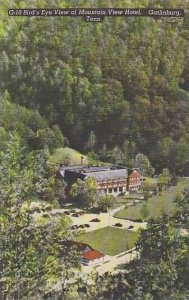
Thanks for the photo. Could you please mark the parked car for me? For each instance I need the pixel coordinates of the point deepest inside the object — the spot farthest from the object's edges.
(118, 224)
(74, 227)
(73, 211)
(81, 226)
(81, 213)
(75, 215)
(131, 227)
(95, 210)
(87, 225)
(95, 220)
(67, 212)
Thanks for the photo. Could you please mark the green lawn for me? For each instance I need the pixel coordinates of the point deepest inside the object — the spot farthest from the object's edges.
(126, 198)
(72, 156)
(109, 240)
(156, 205)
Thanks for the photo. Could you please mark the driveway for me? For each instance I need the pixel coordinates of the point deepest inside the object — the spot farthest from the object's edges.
(106, 219)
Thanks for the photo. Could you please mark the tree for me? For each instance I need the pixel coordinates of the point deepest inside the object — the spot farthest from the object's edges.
(146, 189)
(157, 240)
(59, 190)
(166, 153)
(91, 141)
(30, 253)
(85, 192)
(32, 128)
(182, 209)
(143, 163)
(105, 202)
(93, 158)
(129, 151)
(144, 211)
(164, 179)
(115, 155)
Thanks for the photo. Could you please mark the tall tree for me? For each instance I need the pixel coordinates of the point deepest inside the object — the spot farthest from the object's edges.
(30, 253)
(85, 192)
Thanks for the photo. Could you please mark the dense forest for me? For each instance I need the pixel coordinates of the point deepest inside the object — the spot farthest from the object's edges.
(84, 78)
(118, 90)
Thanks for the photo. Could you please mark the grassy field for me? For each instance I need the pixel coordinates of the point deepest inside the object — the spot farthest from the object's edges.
(126, 198)
(108, 240)
(156, 205)
(72, 156)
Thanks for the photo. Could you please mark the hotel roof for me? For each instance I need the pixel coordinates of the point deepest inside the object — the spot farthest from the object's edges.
(108, 175)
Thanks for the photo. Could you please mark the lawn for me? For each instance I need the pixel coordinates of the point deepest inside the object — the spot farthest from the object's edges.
(127, 198)
(72, 156)
(156, 205)
(109, 240)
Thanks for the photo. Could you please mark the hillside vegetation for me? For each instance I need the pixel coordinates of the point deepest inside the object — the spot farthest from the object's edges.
(121, 83)
(67, 156)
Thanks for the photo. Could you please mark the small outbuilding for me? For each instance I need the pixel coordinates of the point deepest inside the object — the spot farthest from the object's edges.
(92, 257)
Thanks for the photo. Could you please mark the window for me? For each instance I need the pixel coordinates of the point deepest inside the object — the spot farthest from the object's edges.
(120, 189)
(115, 190)
(109, 190)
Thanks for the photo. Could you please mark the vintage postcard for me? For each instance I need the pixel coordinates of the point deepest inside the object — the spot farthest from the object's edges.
(94, 150)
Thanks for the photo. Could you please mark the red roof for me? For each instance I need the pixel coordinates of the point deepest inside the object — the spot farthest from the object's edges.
(92, 254)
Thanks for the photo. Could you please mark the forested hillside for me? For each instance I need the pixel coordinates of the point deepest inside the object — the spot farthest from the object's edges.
(33, 130)
(121, 82)
(117, 91)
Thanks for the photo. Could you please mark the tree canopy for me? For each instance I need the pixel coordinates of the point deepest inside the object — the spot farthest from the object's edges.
(85, 78)
(31, 257)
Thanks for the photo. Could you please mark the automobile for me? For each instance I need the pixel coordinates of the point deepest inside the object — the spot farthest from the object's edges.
(87, 225)
(81, 213)
(74, 227)
(72, 211)
(95, 220)
(75, 215)
(118, 225)
(95, 210)
(67, 212)
(81, 226)
(131, 227)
